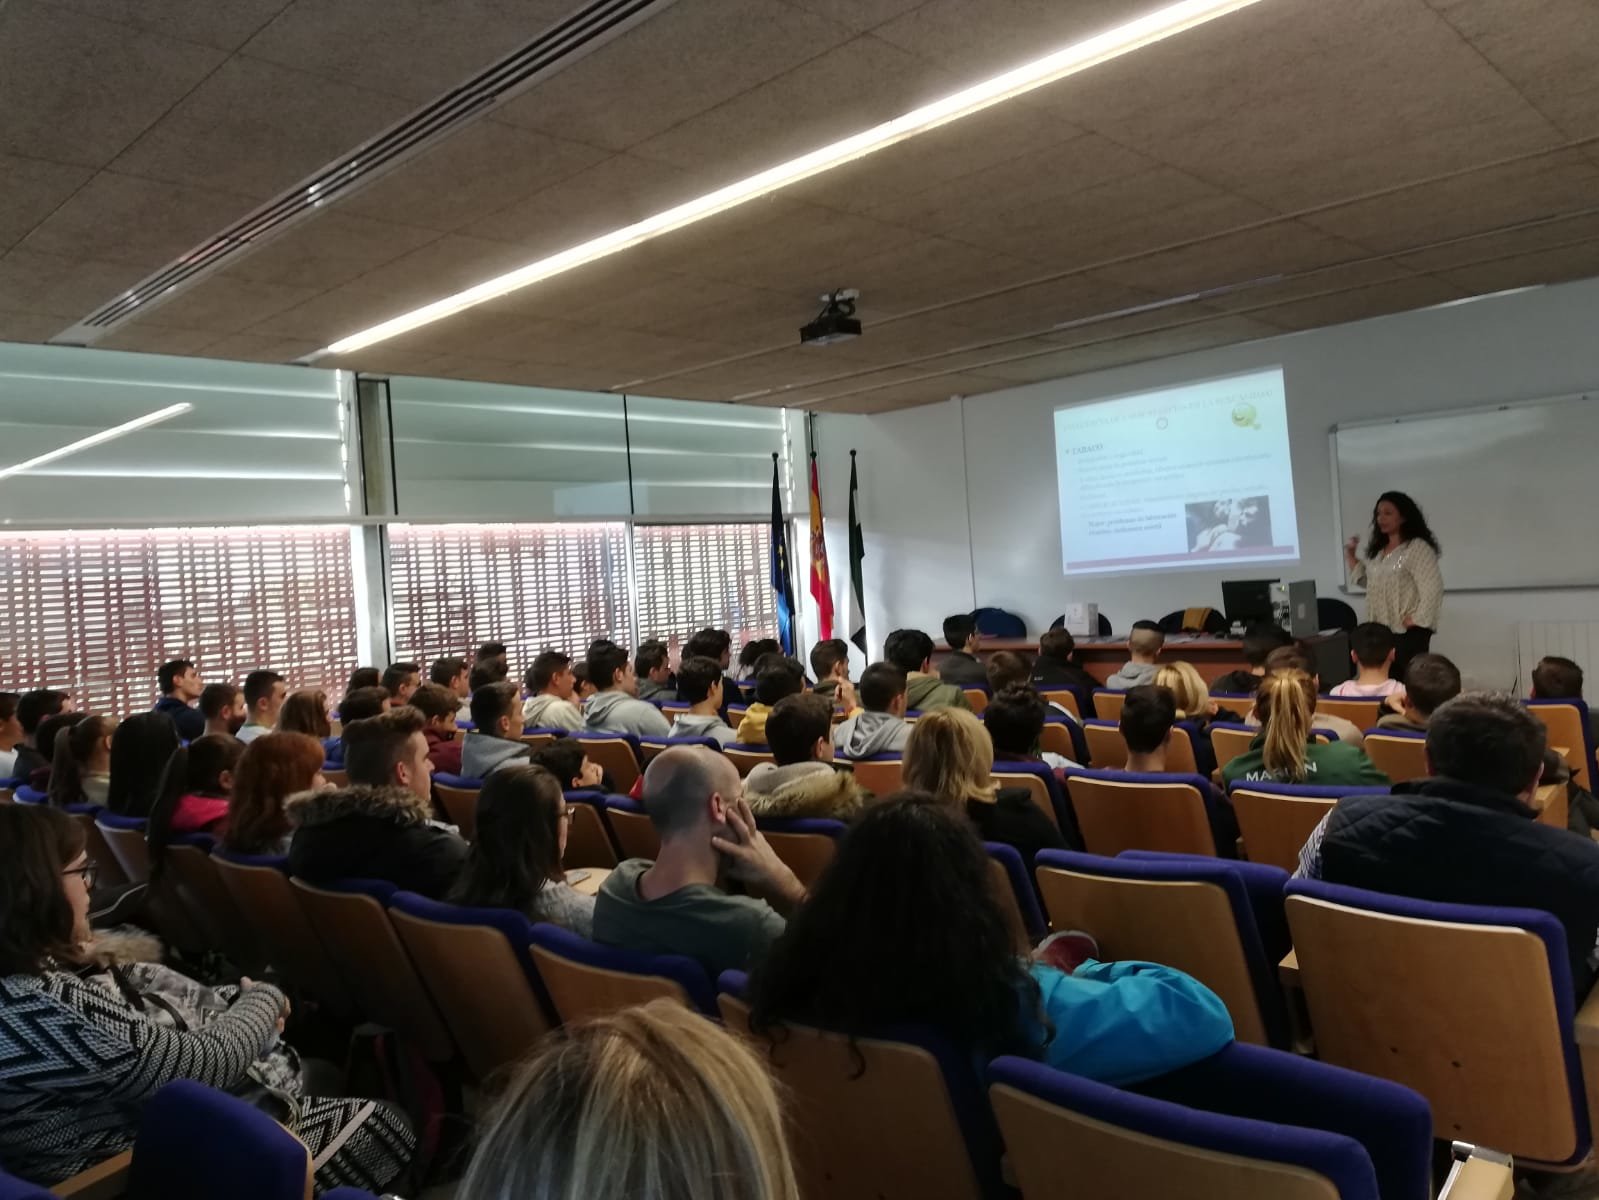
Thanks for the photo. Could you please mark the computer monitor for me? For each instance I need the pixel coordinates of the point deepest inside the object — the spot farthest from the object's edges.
(1248, 602)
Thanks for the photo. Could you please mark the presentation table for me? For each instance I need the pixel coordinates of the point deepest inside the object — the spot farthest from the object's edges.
(1211, 657)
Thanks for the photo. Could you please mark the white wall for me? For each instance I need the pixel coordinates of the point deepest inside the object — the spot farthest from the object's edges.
(936, 546)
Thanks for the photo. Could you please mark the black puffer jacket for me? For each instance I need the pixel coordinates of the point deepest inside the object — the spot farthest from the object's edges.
(1456, 843)
(373, 833)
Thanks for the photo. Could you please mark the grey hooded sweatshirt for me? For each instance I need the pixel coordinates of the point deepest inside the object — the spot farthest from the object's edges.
(617, 712)
(481, 753)
(869, 733)
(694, 725)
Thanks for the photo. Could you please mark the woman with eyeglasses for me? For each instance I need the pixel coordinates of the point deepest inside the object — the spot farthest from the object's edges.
(522, 822)
(82, 1055)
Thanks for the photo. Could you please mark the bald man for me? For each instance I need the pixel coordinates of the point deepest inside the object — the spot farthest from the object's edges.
(675, 905)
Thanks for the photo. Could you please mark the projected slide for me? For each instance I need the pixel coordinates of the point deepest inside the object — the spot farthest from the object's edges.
(1185, 476)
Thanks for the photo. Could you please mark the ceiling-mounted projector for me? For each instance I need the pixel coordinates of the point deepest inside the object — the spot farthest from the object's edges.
(836, 322)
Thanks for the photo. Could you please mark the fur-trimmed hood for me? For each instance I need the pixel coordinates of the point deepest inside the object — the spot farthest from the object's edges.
(810, 789)
(398, 804)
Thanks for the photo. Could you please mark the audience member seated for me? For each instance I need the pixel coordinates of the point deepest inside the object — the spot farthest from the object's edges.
(492, 658)
(1371, 649)
(615, 707)
(363, 677)
(264, 694)
(1008, 668)
(180, 687)
(1014, 719)
(438, 708)
(830, 666)
(550, 683)
(1431, 681)
(80, 766)
(1194, 704)
(1259, 642)
(482, 675)
(515, 863)
(717, 645)
(564, 758)
(306, 711)
(700, 682)
(1297, 658)
(140, 748)
(802, 781)
(1468, 834)
(1054, 669)
(960, 666)
(10, 733)
(196, 787)
(1148, 714)
(32, 709)
(400, 680)
(652, 665)
(357, 706)
(949, 756)
(1284, 752)
(1556, 678)
(903, 929)
(1144, 644)
(85, 1048)
(880, 727)
(222, 705)
(454, 676)
(50, 730)
(380, 827)
(911, 651)
(582, 686)
(272, 769)
(675, 904)
(495, 739)
(776, 676)
(654, 1101)
(755, 650)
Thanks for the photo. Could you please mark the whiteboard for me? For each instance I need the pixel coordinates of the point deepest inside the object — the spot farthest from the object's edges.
(1509, 489)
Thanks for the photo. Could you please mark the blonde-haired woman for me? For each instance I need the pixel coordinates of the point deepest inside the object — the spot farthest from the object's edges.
(950, 756)
(1194, 704)
(1284, 750)
(651, 1102)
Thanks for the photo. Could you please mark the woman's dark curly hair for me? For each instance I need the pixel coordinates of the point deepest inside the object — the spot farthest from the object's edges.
(901, 928)
(1411, 524)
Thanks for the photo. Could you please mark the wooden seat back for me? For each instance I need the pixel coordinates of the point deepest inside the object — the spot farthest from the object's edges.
(1116, 816)
(1275, 828)
(1399, 758)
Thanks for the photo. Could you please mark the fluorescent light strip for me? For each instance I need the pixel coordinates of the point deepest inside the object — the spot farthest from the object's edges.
(1144, 31)
(95, 439)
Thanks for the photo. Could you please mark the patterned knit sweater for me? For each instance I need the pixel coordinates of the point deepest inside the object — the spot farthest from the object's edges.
(77, 1061)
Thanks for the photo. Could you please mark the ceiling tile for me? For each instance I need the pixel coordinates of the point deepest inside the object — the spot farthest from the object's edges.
(1300, 101)
(148, 337)
(929, 272)
(1470, 250)
(412, 48)
(27, 326)
(225, 24)
(910, 395)
(790, 116)
(258, 129)
(327, 249)
(1555, 265)
(220, 304)
(858, 14)
(1318, 282)
(1362, 303)
(33, 189)
(75, 89)
(437, 269)
(469, 176)
(1280, 248)
(685, 59)
(247, 347)
(1479, 202)
(1550, 53)
(137, 222)
(1109, 351)
(64, 289)
(336, 313)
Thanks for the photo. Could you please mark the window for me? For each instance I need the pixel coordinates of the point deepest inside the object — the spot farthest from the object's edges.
(532, 587)
(691, 577)
(97, 613)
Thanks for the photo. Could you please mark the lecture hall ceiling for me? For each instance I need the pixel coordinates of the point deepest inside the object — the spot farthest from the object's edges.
(1295, 164)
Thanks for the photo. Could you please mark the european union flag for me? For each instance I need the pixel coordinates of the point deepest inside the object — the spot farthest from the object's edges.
(782, 575)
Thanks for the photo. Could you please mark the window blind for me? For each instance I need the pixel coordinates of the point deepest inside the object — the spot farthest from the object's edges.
(96, 613)
(691, 577)
(533, 587)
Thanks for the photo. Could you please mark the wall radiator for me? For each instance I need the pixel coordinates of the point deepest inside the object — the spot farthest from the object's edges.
(1576, 640)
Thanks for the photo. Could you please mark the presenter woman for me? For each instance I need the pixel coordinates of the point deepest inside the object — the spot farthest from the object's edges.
(1404, 589)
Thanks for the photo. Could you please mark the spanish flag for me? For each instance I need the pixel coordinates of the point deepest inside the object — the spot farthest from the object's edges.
(821, 581)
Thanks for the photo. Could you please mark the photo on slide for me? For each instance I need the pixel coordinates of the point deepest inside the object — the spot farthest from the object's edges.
(1235, 524)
